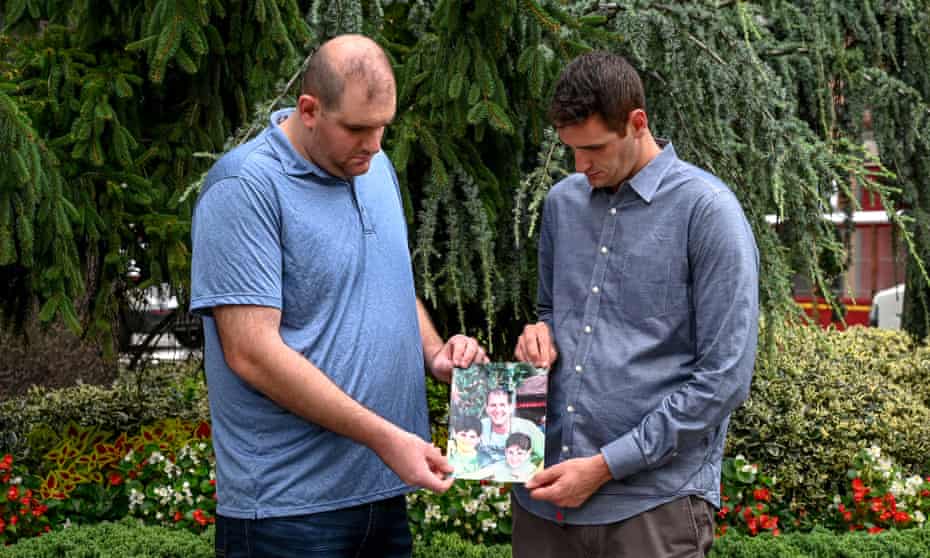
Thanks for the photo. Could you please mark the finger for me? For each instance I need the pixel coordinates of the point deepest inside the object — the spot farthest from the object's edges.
(436, 483)
(471, 350)
(437, 461)
(546, 493)
(532, 346)
(546, 347)
(482, 356)
(519, 352)
(459, 344)
(543, 478)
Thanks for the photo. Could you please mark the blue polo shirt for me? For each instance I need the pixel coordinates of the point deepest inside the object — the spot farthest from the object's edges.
(272, 229)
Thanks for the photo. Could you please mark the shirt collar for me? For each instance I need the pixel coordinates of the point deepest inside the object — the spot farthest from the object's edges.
(292, 162)
(646, 182)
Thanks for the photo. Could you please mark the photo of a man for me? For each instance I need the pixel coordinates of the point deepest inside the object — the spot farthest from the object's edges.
(497, 421)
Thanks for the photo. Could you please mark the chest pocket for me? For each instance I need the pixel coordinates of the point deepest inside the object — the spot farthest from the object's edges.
(651, 286)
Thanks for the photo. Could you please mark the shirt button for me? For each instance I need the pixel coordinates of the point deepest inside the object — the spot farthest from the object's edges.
(578, 368)
(587, 329)
(595, 290)
(613, 210)
(564, 449)
(603, 249)
(570, 409)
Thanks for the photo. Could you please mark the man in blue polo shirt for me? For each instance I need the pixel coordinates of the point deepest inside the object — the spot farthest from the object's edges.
(648, 308)
(315, 341)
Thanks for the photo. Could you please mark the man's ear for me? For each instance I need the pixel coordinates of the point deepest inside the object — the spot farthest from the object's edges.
(639, 121)
(308, 108)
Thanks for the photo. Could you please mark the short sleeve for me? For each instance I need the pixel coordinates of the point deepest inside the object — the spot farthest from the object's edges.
(236, 247)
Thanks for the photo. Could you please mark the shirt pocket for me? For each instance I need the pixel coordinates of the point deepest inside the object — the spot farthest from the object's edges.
(651, 285)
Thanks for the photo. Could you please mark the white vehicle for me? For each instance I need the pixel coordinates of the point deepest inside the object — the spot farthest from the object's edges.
(886, 308)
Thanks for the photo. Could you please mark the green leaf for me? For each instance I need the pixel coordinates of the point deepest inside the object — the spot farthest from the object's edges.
(49, 308)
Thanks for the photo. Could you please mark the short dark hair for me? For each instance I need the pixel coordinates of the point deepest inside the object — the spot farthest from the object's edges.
(464, 423)
(520, 440)
(600, 83)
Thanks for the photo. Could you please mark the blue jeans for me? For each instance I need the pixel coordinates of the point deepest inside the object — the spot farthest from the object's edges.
(370, 530)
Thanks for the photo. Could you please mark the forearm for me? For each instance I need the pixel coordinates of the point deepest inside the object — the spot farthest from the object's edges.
(293, 382)
(432, 342)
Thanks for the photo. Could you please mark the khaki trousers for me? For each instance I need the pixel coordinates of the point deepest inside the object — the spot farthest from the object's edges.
(682, 528)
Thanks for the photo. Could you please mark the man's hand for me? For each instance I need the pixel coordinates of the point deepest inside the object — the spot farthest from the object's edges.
(536, 346)
(459, 351)
(570, 483)
(416, 462)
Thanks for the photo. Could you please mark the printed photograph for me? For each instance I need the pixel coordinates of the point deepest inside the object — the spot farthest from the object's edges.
(497, 421)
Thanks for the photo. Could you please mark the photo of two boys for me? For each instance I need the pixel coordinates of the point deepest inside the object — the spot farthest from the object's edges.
(497, 420)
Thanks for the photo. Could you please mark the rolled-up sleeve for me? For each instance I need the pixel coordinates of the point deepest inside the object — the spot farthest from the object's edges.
(724, 267)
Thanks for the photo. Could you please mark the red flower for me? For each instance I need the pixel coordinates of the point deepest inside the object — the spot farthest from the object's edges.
(178, 516)
(199, 517)
(760, 507)
(858, 485)
(12, 494)
(212, 482)
(762, 494)
(14, 520)
(768, 522)
(776, 531)
(875, 530)
(877, 505)
(723, 512)
(2, 525)
(847, 515)
(925, 493)
(115, 479)
(901, 517)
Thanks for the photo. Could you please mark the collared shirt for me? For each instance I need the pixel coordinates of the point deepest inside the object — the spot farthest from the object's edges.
(272, 229)
(651, 293)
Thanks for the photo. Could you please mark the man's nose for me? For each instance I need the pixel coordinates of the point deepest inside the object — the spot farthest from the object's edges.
(372, 142)
(582, 163)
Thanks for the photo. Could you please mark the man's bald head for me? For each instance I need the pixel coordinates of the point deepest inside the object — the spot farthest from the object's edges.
(343, 59)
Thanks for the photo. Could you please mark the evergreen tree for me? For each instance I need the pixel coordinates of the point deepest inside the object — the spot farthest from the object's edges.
(104, 107)
(124, 100)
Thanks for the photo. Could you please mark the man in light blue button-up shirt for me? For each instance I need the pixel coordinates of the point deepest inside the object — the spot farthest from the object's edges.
(648, 316)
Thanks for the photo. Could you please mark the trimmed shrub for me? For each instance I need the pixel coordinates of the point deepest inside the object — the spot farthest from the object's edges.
(819, 397)
(912, 543)
(446, 545)
(32, 423)
(126, 539)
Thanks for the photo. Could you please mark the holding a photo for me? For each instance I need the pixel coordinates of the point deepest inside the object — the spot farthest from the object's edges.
(497, 420)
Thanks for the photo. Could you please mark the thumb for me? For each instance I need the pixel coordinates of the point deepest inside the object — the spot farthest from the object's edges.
(544, 477)
(437, 461)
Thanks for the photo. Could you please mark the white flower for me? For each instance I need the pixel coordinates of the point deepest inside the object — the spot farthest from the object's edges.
(488, 524)
(874, 452)
(470, 506)
(919, 517)
(135, 499)
(897, 488)
(128, 457)
(837, 500)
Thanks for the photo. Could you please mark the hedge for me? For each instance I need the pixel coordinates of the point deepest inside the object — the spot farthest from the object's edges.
(126, 539)
(821, 396)
(31, 423)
